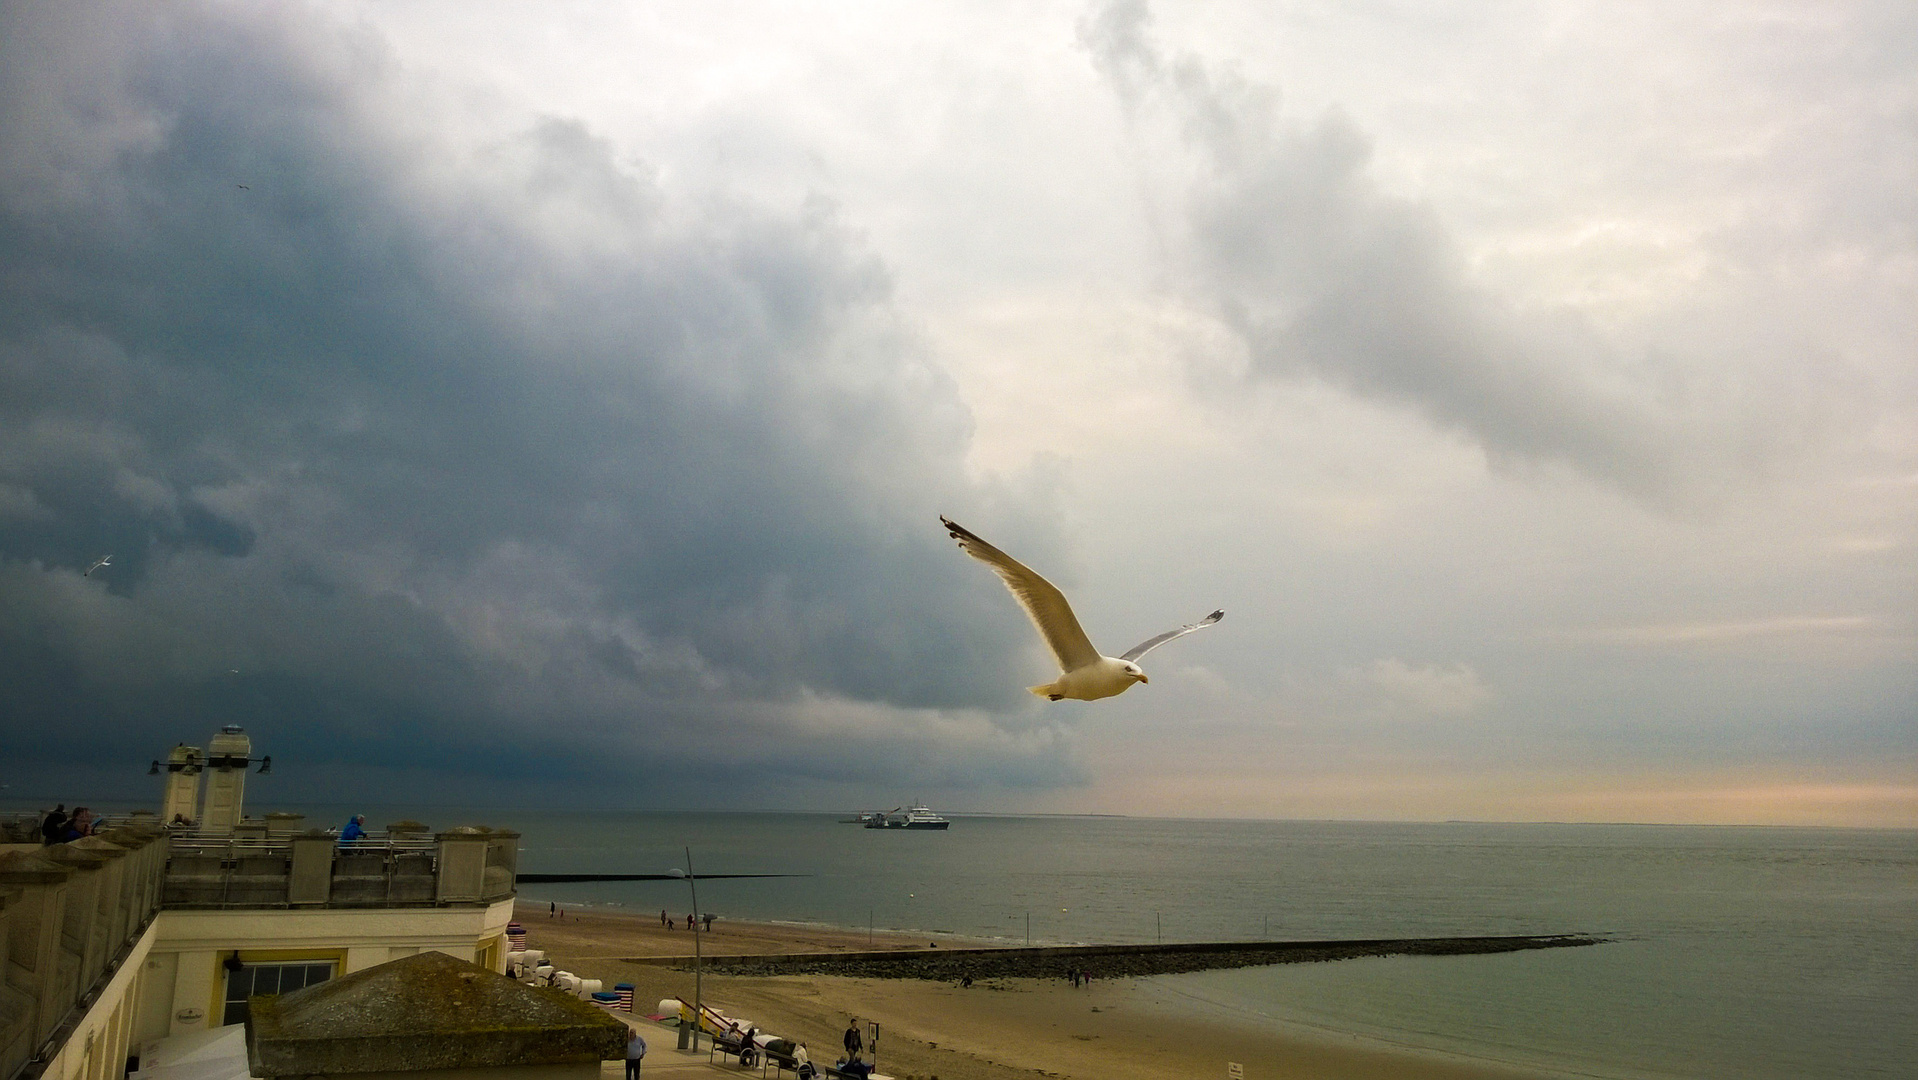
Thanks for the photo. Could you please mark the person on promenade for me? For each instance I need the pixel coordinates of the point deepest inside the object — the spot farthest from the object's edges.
(708, 918)
(802, 1064)
(690, 924)
(663, 920)
(635, 1050)
(80, 824)
(355, 829)
(854, 1043)
(54, 825)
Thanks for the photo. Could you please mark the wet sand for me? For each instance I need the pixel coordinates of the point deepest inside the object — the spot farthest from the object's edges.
(999, 1029)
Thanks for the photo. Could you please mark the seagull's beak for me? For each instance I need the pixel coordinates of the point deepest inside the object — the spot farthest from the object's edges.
(1142, 678)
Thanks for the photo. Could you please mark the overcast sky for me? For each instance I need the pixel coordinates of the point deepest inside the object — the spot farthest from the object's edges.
(553, 404)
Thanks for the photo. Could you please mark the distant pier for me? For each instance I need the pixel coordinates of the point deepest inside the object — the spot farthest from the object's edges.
(1106, 961)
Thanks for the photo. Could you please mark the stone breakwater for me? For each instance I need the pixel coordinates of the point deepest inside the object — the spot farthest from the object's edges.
(1104, 961)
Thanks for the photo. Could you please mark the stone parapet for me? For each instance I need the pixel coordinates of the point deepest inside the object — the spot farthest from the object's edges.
(461, 866)
(69, 913)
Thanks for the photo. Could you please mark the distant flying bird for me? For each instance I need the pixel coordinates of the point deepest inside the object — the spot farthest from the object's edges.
(1086, 675)
(105, 560)
(243, 187)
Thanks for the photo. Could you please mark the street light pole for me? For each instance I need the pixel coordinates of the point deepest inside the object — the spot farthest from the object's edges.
(699, 1005)
(699, 1008)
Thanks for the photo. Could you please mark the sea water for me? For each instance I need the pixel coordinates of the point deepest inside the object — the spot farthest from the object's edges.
(1734, 952)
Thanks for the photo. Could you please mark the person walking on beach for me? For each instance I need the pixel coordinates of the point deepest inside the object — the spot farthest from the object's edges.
(635, 1050)
(662, 918)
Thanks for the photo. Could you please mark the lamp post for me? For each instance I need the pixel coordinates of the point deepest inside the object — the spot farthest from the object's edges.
(699, 1008)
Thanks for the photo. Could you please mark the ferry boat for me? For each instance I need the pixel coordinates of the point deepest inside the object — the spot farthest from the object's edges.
(915, 817)
(920, 817)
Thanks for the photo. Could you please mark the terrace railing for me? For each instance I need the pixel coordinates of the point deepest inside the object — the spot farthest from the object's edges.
(314, 869)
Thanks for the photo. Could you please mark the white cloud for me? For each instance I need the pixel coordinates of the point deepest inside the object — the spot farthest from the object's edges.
(1391, 689)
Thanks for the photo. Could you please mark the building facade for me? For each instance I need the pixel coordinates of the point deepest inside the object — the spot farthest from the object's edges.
(142, 933)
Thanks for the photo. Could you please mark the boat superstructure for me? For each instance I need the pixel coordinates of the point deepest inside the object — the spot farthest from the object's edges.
(914, 817)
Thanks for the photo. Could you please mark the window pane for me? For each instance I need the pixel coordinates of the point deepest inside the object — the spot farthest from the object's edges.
(261, 979)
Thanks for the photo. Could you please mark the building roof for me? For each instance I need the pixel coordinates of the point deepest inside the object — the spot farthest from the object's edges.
(429, 1011)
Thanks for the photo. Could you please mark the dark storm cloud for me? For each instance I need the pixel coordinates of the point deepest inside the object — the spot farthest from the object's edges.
(447, 452)
(1321, 274)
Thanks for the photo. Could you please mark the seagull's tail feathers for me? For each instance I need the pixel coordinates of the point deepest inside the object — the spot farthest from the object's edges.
(1049, 691)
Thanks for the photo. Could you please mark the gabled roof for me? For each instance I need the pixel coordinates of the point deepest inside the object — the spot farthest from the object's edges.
(429, 1011)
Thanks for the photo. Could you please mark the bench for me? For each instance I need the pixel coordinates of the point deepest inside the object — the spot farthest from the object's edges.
(736, 1047)
(779, 1063)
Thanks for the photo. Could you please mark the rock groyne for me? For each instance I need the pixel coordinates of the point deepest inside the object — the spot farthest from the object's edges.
(1106, 961)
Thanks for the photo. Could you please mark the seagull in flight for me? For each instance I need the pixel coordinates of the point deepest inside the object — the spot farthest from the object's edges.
(105, 560)
(1085, 674)
(243, 187)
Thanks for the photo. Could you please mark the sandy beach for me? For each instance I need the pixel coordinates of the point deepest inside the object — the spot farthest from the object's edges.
(999, 1029)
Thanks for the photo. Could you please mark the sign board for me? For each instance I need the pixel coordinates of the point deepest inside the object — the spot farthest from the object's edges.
(1234, 1071)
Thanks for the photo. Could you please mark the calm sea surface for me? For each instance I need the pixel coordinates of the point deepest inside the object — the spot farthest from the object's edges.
(1740, 952)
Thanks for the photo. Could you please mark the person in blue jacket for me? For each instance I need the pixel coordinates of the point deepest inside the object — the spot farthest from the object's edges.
(355, 829)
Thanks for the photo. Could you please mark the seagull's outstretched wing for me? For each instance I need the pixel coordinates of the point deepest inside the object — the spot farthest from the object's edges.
(1045, 605)
(1152, 643)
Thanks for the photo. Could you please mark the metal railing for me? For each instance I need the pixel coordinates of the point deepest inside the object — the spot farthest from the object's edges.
(205, 871)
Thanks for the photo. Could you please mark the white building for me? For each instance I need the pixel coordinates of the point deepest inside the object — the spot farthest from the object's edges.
(120, 940)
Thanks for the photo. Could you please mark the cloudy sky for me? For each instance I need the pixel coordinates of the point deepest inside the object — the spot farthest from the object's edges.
(553, 404)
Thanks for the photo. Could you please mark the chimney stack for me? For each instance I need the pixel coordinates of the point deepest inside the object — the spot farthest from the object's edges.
(227, 757)
(183, 766)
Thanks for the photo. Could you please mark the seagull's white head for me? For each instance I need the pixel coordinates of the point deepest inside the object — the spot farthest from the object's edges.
(1133, 672)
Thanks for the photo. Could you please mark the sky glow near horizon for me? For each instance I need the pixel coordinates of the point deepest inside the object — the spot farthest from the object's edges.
(561, 411)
